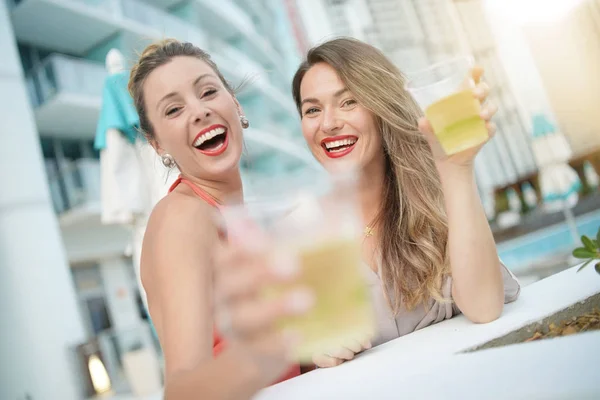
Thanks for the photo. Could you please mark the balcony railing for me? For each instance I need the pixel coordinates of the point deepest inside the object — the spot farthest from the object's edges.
(108, 6)
(230, 21)
(262, 15)
(244, 65)
(230, 11)
(74, 184)
(64, 74)
(168, 25)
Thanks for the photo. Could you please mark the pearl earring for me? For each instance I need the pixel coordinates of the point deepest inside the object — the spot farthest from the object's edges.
(168, 160)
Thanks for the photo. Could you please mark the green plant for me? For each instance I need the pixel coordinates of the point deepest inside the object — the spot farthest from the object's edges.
(590, 251)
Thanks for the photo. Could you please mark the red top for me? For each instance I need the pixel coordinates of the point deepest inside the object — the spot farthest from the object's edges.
(218, 342)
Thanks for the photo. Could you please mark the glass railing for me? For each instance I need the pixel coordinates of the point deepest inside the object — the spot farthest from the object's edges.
(56, 192)
(32, 90)
(61, 73)
(108, 6)
(250, 7)
(262, 15)
(74, 184)
(147, 15)
(250, 40)
(258, 47)
(168, 25)
(246, 68)
(230, 11)
(244, 65)
(237, 67)
(122, 362)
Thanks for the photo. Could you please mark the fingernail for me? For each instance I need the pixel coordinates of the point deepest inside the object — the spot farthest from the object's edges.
(369, 345)
(478, 92)
(300, 301)
(485, 113)
(284, 265)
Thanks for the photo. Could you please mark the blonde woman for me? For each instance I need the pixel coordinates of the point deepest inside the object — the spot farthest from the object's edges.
(190, 115)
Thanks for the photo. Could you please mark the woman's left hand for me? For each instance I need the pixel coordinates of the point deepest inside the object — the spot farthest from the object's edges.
(464, 158)
(341, 354)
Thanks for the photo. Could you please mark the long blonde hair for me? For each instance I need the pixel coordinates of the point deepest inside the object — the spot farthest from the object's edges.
(413, 234)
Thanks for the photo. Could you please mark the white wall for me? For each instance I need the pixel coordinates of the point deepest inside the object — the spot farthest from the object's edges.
(39, 314)
(523, 75)
(553, 65)
(359, 18)
(316, 20)
(567, 55)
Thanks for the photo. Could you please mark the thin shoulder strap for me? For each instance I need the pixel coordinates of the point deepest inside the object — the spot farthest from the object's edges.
(201, 193)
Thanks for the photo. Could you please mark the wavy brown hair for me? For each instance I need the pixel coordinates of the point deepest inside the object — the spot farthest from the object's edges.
(411, 222)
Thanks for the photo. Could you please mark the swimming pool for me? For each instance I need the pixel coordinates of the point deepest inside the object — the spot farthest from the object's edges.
(520, 253)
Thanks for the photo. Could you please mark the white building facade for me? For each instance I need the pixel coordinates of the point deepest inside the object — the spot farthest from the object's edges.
(418, 33)
(68, 285)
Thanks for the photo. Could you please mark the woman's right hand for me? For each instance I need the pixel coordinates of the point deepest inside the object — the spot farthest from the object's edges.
(246, 318)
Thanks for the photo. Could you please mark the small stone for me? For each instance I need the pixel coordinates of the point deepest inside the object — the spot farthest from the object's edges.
(584, 327)
(569, 330)
(536, 336)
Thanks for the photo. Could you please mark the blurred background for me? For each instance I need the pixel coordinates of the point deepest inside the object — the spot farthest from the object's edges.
(73, 319)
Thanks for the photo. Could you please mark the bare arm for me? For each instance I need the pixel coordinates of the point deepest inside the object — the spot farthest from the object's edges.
(477, 288)
(228, 377)
(176, 274)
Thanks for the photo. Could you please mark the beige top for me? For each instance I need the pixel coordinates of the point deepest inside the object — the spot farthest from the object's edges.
(390, 327)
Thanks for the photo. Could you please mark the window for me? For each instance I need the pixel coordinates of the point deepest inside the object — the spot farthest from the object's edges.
(98, 314)
(92, 300)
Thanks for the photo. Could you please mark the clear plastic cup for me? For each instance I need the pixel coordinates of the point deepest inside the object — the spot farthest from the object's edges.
(319, 228)
(445, 93)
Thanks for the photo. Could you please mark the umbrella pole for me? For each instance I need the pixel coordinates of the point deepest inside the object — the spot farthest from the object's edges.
(571, 223)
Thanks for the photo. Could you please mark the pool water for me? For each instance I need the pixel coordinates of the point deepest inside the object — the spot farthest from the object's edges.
(520, 253)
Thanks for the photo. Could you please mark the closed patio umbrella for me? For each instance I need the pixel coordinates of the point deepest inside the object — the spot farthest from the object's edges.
(559, 183)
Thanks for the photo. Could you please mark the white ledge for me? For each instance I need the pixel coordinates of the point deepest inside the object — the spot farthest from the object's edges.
(421, 362)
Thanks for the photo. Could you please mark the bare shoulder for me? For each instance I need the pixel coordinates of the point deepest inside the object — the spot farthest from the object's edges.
(180, 227)
(180, 211)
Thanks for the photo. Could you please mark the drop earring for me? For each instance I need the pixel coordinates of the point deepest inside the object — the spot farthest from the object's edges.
(244, 121)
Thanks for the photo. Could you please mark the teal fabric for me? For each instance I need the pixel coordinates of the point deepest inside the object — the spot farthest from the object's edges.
(118, 111)
(541, 126)
(557, 196)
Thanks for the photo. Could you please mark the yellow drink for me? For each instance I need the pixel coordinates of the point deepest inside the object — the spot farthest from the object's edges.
(343, 307)
(456, 122)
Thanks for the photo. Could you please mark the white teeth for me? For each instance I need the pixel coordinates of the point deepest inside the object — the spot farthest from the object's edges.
(208, 135)
(338, 143)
